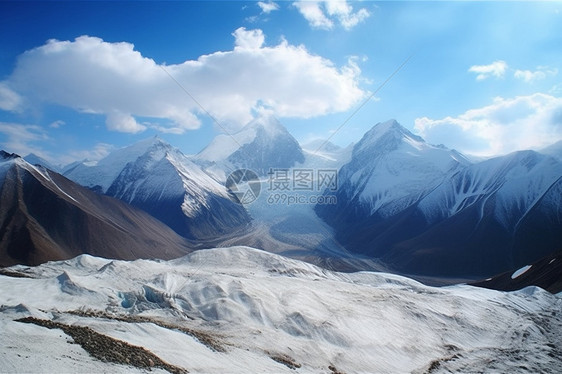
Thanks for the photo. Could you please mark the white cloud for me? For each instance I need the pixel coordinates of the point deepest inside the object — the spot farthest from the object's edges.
(531, 76)
(57, 124)
(134, 92)
(556, 89)
(248, 39)
(324, 14)
(507, 125)
(268, 7)
(9, 100)
(314, 14)
(496, 69)
(99, 151)
(123, 122)
(344, 13)
(22, 139)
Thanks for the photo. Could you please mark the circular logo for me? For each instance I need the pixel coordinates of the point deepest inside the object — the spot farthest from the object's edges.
(245, 185)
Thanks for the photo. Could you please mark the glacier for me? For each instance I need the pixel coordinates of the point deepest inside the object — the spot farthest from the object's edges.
(240, 309)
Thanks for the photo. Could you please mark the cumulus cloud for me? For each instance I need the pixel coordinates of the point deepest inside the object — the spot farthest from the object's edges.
(507, 125)
(248, 39)
(496, 69)
(134, 93)
(123, 122)
(531, 76)
(314, 14)
(268, 7)
(344, 13)
(324, 14)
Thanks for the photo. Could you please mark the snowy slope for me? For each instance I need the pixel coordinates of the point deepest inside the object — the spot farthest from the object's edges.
(554, 150)
(422, 209)
(163, 171)
(325, 155)
(101, 174)
(284, 226)
(158, 178)
(240, 310)
(260, 145)
(391, 169)
(165, 183)
(33, 159)
(515, 183)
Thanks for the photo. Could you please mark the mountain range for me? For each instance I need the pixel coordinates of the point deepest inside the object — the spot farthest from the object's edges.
(160, 179)
(401, 204)
(261, 145)
(46, 217)
(427, 210)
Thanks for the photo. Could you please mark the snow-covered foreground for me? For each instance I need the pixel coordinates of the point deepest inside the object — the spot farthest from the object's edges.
(241, 310)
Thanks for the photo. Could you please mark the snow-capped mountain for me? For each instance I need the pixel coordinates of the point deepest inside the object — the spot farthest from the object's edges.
(159, 179)
(554, 150)
(517, 182)
(324, 154)
(490, 217)
(33, 159)
(262, 144)
(292, 229)
(99, 175)
(424, 209)
(45, 217)
(240, 310)
(391, 169)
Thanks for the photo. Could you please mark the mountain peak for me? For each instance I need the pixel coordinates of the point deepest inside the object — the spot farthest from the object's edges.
(262, 144)
(34, 159)
(7, 156)
(151, 142)
(387, 136)
(100, 175)
(132, 152)
(390, 127)
(269, 124)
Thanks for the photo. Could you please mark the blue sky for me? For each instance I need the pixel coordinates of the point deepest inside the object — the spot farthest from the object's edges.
(78, 79)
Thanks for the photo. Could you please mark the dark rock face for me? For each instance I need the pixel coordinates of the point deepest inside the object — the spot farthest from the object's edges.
(45, 217)
(545, 273)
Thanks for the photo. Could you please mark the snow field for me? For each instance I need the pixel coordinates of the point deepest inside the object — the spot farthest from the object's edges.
(257, 305)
